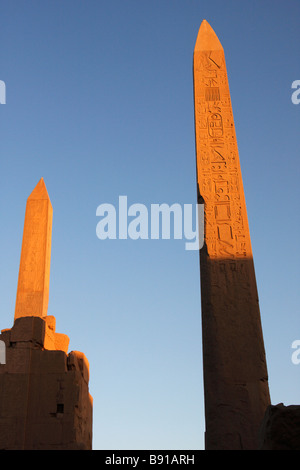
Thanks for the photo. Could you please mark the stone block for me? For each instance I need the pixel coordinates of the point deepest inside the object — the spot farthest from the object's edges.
(61, 342)
(18, 359)
(5, 336)
(31, 329)
(48, 362)
(78, 361)
(280, 429)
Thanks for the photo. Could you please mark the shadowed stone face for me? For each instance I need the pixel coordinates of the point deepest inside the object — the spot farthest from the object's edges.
(235, 372)
(34, 273)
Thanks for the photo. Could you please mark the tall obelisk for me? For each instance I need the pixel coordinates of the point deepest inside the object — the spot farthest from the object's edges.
(34, 272)
(235, 373)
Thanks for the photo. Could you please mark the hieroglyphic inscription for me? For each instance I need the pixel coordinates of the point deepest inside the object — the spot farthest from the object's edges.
(235, 372)
(219, 175)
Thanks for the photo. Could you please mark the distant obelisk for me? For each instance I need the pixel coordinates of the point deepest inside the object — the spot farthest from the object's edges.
(34, 272)
(235, 372)
(45, 402)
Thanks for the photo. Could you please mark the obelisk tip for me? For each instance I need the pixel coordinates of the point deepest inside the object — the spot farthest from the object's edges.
(40, 191)
(207, 40)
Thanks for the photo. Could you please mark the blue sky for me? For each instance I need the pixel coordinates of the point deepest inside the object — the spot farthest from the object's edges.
(99, 102)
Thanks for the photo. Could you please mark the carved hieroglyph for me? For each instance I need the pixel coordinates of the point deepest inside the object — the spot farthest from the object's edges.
(34, 272)
(235, 372)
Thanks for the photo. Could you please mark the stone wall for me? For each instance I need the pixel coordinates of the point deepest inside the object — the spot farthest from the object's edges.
(44, 392)
(281, 428)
